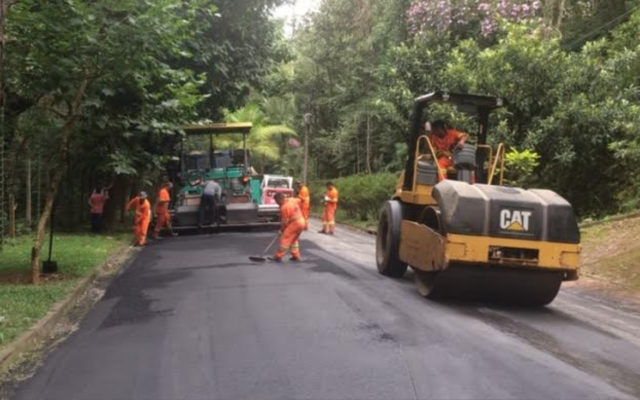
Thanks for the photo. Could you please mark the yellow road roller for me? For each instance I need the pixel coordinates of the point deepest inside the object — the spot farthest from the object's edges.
(464, 232)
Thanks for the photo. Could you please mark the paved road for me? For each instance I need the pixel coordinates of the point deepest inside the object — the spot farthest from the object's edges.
(192, 318)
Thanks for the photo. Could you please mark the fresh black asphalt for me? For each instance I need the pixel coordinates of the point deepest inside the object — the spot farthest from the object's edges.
(193, 318)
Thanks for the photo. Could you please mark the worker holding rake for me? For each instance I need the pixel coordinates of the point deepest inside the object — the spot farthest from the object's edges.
(293, 223)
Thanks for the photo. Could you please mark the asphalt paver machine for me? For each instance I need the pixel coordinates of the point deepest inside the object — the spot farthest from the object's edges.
(241, 200)
(464, 232)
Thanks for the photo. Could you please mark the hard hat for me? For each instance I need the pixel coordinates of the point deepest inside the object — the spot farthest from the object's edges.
(143, 194)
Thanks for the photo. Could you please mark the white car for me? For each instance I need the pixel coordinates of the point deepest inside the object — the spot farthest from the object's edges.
(272, 184)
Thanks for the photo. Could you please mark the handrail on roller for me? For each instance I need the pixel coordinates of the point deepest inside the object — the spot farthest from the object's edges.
(500, 152)
(417, 158)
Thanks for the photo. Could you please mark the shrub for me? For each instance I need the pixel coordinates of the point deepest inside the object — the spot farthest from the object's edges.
(361, 196)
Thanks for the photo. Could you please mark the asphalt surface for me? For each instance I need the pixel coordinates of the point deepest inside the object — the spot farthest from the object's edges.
(193, 318)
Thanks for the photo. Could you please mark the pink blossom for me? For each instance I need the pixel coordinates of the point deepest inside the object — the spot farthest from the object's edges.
(429, 15)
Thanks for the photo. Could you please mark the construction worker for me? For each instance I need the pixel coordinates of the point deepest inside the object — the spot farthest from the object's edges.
(305, 202)
(330, 207)
(143, 217)
(97, 200)
(444, 141)
(292, 225)
(163, 217)
(211, 194)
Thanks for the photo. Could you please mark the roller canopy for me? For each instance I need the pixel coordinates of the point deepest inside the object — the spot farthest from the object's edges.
(218, 128)
(480, 106)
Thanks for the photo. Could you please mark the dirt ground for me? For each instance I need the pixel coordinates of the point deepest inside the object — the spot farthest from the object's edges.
(611, 256)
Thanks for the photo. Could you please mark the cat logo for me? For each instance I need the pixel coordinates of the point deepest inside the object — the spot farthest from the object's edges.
(515, 220)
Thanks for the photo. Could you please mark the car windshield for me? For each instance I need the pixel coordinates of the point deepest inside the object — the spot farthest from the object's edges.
(278, 183)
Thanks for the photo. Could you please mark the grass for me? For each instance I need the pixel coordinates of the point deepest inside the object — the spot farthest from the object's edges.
(611, 251)
(22, 304)
(370, 225)
(343, 218)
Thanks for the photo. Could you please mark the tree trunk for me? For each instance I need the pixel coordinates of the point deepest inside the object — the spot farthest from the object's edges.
(3, 13)
(560, 13)
(39, 184)
(27, 217)
(54, 183)
(368, 155)
(12, 216)
(357, 166)
(41, 231)
(114, 208)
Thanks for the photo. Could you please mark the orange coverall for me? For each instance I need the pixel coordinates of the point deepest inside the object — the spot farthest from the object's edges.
(293, 224)
(305, 204)
(444, 145)
(329, 214)
(143, 217)
(162, 211)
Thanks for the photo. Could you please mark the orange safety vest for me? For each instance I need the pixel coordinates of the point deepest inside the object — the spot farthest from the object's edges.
(163, 200)
(304, 195)
(290, 212)
(448, 141)
(143, 211)
(333, 196)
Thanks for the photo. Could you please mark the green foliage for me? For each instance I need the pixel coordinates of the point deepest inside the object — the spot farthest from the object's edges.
(138, 69)
(236, 48)
(21, 304)
(267, 143)
(572, 102)
(360, 195)
(520, 165)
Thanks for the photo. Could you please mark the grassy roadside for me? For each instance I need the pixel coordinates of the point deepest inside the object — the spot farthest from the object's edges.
(342, 218)
(22, 304)
(611, 252)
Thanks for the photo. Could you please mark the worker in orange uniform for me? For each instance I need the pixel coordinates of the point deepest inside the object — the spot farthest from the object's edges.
(163, 217)
(143, 217)
(444, 141)
(330, 207)
(292, 225)
(305, 202)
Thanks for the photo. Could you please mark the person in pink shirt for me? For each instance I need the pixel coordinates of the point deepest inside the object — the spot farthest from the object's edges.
(96, 202)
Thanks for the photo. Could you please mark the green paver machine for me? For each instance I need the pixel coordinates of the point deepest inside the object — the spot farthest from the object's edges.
(240, 203)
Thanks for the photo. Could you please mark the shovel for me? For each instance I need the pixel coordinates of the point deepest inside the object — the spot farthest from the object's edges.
(262, 258)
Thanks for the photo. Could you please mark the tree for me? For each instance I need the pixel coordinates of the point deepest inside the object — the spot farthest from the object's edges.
(237, 48)
(67, 57)
(268, 139)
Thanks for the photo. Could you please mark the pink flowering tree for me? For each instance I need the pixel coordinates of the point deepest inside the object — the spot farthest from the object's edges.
(472, 16)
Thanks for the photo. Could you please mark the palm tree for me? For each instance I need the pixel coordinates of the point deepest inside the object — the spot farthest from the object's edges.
(268, 138)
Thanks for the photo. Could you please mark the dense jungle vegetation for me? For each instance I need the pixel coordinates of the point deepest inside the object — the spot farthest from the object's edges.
(569, 70)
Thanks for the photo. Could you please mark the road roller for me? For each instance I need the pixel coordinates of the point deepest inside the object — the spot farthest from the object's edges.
(463, 231)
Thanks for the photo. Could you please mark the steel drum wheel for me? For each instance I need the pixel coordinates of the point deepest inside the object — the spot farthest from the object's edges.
(425, 282)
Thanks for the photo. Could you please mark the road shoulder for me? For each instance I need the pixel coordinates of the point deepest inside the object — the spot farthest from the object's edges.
(17, 359)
